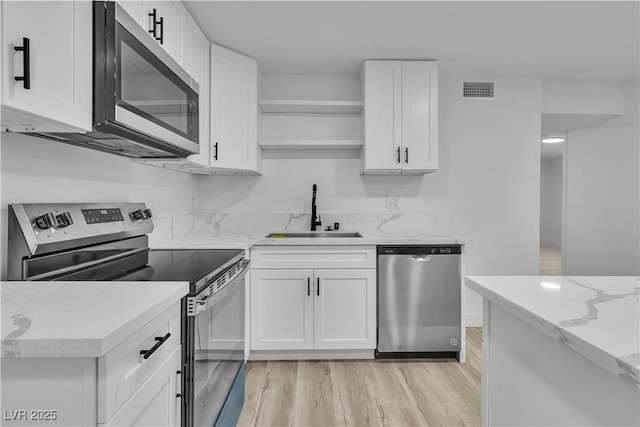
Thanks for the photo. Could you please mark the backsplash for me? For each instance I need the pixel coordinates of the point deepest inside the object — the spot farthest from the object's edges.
(175, 226)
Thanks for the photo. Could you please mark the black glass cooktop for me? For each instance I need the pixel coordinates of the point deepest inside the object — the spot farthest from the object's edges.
(160, 265)
(183, 264)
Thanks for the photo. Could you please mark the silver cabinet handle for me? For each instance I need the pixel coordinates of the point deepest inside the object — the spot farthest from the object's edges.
(421, 258)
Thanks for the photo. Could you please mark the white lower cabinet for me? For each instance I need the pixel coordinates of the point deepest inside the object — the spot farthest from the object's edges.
(156, 402)
(120, 388)
(313, 308)
(344, 315)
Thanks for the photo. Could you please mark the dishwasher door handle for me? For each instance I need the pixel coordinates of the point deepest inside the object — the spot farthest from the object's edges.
(420, 258)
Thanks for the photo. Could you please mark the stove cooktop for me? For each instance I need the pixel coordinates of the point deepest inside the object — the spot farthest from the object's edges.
(192, 265)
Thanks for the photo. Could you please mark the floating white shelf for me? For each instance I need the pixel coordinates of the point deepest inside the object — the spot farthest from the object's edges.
(346, 144)
(310, 106)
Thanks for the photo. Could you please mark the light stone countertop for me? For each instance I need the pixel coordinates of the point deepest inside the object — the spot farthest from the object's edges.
(597, 317)
(79, 319)
(246, 239)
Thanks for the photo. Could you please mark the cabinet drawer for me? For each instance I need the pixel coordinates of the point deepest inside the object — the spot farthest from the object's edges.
(313, 257)
(157, 402)
(123, 370)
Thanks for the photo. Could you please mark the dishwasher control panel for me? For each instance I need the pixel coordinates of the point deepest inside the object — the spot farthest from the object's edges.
(421, 249)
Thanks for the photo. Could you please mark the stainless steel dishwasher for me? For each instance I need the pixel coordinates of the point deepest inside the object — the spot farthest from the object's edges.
(419, 304)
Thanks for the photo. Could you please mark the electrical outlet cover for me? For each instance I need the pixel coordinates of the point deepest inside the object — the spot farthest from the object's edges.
(392, 202)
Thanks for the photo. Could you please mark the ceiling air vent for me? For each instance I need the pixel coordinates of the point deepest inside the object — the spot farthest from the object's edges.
(478, 90)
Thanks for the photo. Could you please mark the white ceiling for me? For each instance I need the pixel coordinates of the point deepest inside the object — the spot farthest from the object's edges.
(554, 40)
(557, 40)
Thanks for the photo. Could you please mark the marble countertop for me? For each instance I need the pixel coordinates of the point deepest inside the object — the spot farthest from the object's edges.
(79, 319)
(246, 239)
(597, 317)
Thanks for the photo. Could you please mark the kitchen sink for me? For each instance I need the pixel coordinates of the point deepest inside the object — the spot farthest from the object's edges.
(312, 234)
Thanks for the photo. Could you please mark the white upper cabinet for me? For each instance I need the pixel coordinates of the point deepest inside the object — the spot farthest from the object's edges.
(46, 66)
(234, 112)
(400, 117)
(135, 9)
(196, 64)
(166, 21)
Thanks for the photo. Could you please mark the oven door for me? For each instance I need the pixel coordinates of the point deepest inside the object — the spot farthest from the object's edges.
(139, 90)
(218, 349)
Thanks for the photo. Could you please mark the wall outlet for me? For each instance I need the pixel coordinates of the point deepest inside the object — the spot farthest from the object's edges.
(393, 202)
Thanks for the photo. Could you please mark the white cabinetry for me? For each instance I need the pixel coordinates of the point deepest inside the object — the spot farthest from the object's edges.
(234, 112)
(156, 402)
(400, 117)
(166, 21)
(135, 9)
(119, 388)
(313, 298)
(310, 112)
(196, 64)
(281, 309)
(58, 64)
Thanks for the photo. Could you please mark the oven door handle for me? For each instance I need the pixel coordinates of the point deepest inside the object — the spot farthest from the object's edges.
(207, 299)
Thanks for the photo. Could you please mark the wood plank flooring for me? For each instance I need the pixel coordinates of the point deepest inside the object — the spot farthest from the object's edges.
(550, 261)
(425, 392)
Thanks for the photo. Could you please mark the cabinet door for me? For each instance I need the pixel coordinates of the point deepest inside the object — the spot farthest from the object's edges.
(196, 64)
(345, 309)
(60, 41)
(382, 115)
(419, 116)
(234, 104)
(173, 26)
(157, 401)
(281, 309)
(135, 9)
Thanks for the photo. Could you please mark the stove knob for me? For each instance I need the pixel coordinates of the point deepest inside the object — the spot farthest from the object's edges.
(47, 220)
(64, 219)
(147, 213)
(139, 215)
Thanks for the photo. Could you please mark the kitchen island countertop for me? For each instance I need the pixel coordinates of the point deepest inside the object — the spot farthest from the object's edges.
(596, 317)
(79, 319)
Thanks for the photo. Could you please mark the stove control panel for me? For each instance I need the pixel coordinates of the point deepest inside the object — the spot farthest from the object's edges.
(141, 214)
(95, 216)
(49, 227)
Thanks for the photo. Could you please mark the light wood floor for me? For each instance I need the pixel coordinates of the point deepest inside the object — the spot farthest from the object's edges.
(550, 261)
(426, 392)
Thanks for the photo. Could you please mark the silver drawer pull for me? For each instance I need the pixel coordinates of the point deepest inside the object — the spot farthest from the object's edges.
(421, 258)
(147, 353)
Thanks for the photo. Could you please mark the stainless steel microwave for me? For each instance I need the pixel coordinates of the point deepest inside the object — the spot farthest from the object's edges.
(144, 104)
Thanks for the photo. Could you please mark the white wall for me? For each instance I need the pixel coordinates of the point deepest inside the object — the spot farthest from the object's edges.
(487, 186)
(551, 202)
(36, 170)
(603, 195)
(574, 97)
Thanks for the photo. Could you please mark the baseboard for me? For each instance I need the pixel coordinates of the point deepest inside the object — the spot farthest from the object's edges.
(310, 354)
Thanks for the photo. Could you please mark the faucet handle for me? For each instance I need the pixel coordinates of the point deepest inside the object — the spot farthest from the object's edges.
(319, 220)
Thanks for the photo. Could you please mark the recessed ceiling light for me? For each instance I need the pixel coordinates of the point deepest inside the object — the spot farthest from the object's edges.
(553, 140)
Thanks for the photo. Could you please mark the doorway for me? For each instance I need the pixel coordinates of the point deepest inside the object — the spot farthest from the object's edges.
(551, 206)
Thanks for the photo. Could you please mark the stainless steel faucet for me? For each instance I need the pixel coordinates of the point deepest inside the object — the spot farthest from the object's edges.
(314, 222)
